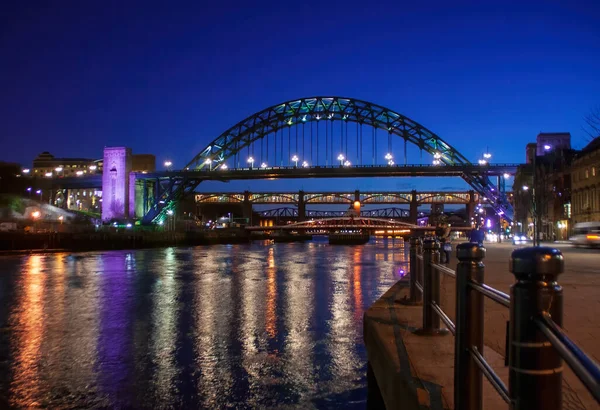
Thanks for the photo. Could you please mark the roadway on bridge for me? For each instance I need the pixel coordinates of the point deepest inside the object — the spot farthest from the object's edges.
(581, 284)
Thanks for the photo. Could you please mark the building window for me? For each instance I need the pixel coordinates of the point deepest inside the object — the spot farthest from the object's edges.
(587, 173)
(567, 208)
(593, 171)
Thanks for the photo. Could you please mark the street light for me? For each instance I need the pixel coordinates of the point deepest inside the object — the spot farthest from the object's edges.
(223, 166)
(436, 162)
(168, 165)
(35, 214)
(304, 164)
(487, 155)
(347, 163)
(482, 162)
(251, 162)
(79, 173)
(26, 170)
(295, 159)
(506, 176)
(388, 156)
(525, 187)
(209, 162)
(437, 155)
(341, 159)
(93, 167)
(48, 174)
(263, 165)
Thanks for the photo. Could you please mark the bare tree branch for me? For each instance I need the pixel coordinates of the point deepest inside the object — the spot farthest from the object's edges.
(592, 121)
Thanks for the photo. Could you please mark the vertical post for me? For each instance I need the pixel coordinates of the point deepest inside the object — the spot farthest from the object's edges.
(431, 289)
(535, 367)
(415, 297)
(468, 380)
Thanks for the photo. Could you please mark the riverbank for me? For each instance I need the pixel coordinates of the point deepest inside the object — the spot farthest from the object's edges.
(16, 243)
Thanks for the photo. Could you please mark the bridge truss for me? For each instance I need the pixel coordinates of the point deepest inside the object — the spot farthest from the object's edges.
(289, 212)
(309, 133)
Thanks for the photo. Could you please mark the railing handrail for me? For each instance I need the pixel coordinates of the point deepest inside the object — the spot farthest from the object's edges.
(426, 264)
(586, 369)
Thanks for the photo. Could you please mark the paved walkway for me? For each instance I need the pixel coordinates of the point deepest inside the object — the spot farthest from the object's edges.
(425, 364)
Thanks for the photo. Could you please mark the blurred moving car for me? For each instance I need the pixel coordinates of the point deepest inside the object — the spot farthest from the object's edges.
(519, 239)
(586, 234)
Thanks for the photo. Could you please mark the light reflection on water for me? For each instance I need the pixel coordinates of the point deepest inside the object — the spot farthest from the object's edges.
(261, 325)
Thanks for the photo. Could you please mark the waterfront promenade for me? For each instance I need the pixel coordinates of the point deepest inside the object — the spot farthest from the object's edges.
(431, 358)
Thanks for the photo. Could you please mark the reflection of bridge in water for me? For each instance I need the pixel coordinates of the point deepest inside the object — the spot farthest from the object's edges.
(301, 200)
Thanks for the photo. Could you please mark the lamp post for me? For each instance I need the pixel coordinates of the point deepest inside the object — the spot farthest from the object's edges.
(39, 192)
(295, 159)
(389, 158)
(168, 165)
(251, 162)
(209, 162)
(347, 163)
(29, 191)
(304, 164)
(263, 165)
(341, 159)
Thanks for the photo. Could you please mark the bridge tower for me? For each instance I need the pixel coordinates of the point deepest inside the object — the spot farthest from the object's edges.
(115, 183)
(301, 207)
(247, 208)
(414, 207)
(471, 206)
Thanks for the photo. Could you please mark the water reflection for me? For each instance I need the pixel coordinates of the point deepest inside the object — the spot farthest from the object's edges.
(261, 325)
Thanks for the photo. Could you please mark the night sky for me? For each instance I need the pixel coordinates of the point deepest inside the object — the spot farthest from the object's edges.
(167, 79)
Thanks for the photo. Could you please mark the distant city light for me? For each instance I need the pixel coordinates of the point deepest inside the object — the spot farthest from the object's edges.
(506, 176)
(48, 174)
(128, 225)
(525, 187)
(39, 191)
(58, 169)
(26, 170)
(79, 173)
(28, 189)
(547, 147)
(93, 167)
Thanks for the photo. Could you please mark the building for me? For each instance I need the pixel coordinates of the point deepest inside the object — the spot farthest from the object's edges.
(552, 141)
(47, 165)
(585, 180)
(549, 195)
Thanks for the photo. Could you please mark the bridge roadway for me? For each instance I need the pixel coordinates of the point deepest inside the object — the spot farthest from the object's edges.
(337, 171)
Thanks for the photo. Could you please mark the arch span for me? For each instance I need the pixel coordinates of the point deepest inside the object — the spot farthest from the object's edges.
(346, 110)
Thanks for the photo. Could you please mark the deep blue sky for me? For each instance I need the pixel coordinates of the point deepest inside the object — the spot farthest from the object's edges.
(167, 79)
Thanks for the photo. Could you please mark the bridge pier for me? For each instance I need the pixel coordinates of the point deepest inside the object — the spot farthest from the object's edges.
(301, 207)
(247, 208)
(414, 208)
(470, 207)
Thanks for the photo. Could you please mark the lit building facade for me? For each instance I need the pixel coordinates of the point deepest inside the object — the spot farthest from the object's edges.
(47, 165)
(586, 184)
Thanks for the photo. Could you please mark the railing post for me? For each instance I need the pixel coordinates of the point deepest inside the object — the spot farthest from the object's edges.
(468, 380)
(415, 297)
(535, 367)
(431, 289)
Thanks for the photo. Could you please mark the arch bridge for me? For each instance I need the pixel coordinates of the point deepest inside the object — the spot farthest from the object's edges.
(322, 137)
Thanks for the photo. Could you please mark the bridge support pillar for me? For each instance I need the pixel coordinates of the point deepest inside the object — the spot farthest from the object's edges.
(471, 207)
(247, 208)
(413, 214)
(301, 207)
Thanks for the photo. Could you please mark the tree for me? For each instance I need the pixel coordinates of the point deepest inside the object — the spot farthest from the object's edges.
(592, 121)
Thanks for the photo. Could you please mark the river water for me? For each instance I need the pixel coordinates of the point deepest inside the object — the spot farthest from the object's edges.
(238, 326)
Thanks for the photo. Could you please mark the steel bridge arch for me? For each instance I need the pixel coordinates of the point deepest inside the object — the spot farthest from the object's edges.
(319, 197)
(423, 198)
(370, 199)
(276, 117)
(263, 197)
(312, 109)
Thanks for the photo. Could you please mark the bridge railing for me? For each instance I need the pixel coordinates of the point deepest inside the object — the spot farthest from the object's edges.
(536, 343)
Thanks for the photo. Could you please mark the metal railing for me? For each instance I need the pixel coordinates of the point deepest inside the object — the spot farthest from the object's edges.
(537, 345)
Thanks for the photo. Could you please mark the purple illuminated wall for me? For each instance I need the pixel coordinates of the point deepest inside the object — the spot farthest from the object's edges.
(115, 183)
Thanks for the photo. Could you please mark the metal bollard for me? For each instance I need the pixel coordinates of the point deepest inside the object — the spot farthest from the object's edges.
(431, 289)
(468, 380)
(535, 374)
(415, 297)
